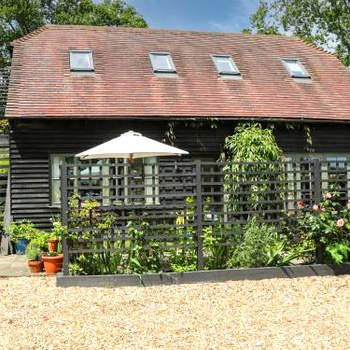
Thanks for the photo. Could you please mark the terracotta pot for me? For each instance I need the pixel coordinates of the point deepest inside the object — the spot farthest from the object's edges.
(35, 266)
(52, 244)
(52, 264)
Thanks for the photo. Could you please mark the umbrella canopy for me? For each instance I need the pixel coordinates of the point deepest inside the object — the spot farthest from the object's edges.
(130, 145)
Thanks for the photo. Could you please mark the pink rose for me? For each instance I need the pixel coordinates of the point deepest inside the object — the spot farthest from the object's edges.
(315, 207)
(301, 204)
(340, 223)
(328, 195)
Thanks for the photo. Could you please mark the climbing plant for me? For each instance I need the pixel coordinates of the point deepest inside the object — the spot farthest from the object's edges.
(250, 182)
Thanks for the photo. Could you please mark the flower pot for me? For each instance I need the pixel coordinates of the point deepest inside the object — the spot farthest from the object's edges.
(21, 246)
(52, 244)
(35, 266)
(52, 264)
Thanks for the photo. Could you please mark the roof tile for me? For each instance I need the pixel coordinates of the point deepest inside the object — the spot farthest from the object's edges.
(124, 85)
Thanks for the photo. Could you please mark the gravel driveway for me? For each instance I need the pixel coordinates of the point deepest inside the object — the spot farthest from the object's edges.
(305, 313)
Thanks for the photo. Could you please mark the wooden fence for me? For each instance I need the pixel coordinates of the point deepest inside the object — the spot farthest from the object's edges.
(173, 202)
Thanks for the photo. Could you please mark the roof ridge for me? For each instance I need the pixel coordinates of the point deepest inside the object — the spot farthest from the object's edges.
(153, 30)
(311, 44)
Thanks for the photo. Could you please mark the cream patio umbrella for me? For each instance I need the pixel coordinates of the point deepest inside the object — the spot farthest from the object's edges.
(130, 145)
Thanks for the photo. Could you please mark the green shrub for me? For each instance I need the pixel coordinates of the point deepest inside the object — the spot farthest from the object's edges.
(262, 246)
(327, 225)
(253, 250)
(23, 229)
(33, 253)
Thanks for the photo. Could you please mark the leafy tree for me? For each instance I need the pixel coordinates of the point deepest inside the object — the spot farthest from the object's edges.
(20, 17)
(326, 23)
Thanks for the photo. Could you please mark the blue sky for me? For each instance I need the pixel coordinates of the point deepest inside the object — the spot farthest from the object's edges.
(201, 15)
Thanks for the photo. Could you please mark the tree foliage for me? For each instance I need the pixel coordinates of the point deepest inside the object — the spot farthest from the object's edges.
(20, 17)
(326, 23)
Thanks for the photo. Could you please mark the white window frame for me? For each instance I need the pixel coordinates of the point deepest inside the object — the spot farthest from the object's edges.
(78, 69)
(54, 179)
(172, 68)
(151, 180)
(296, 156)
(235, 70)
(305, 73)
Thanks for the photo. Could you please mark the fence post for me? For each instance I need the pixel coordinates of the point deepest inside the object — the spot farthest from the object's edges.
(317, 181)
(64, 216)
(199, 212)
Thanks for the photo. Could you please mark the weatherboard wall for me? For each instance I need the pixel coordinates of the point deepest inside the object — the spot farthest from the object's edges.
(32, 142)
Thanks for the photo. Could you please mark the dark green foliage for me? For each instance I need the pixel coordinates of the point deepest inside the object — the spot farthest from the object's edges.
(325, 23)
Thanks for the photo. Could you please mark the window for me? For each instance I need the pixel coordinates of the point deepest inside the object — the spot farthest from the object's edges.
(335, 169)
(133, 184)
(295, 68)
(81, 60)
(87, 177)
(225, 65)
(162, 62)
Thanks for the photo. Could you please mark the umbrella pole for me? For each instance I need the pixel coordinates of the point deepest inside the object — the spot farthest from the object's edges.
(130, 159)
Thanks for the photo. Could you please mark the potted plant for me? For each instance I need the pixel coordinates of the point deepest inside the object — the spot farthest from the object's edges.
(54, 237)
(52, 262)
(34, 259)
(21, 232)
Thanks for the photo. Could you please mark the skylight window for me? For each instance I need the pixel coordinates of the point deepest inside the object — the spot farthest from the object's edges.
(225, 65)
(81, 60)
(295, 68)
(162, 62)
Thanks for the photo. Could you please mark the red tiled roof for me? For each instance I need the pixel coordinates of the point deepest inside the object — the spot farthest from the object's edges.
(124, 85)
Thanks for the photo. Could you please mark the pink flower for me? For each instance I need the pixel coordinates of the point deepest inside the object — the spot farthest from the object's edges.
(120, 267)
(340, 223)
(328, 195)
(315, 207)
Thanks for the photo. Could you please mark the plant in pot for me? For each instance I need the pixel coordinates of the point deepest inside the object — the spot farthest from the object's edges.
(52, 262)
(34, 259)
(21, 232)
(54, 237)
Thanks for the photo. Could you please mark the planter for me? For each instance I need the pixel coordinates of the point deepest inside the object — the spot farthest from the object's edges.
(52, 244)
(21, 246)
(35, 266)
(52, 264)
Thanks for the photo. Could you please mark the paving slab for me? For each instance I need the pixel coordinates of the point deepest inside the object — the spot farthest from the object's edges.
(14, 266)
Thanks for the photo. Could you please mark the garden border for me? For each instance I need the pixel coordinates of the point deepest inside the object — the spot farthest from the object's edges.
(156, 279)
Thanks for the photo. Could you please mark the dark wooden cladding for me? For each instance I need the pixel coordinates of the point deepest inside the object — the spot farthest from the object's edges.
(32, 142)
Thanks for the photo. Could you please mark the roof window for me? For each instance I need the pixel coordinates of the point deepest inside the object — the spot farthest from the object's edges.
(225, 65)
(81, 61)
(162, 62)
(295, 68)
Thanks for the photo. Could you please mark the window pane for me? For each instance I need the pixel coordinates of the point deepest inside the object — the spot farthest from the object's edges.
(81, 60)
(162, 62)
(295, 68)
(56, 161)
(225, 64)
(56, 193)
